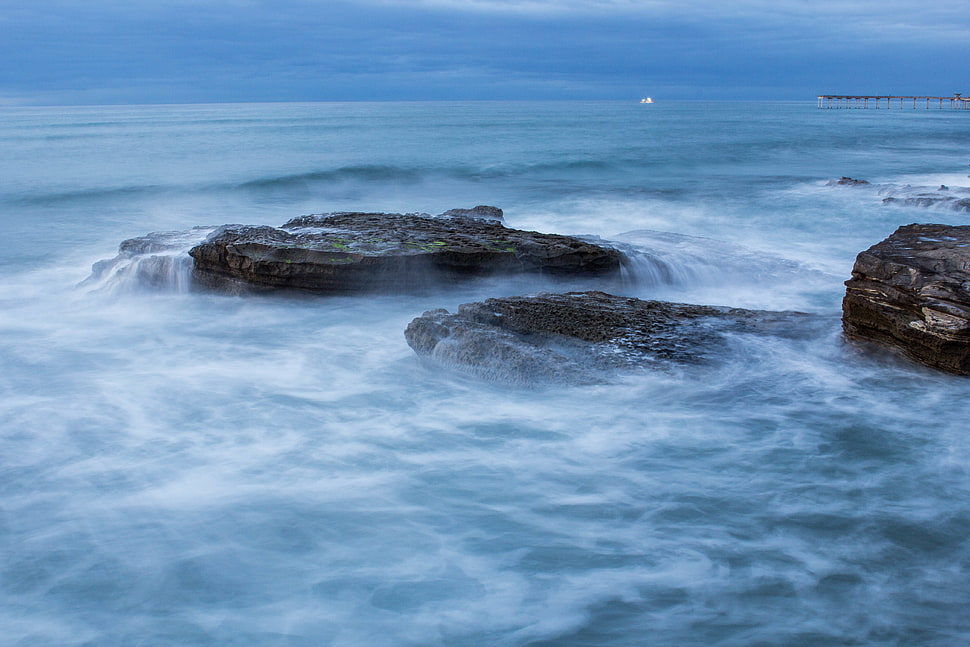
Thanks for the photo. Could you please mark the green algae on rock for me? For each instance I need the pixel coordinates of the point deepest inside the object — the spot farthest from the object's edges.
(390, 252)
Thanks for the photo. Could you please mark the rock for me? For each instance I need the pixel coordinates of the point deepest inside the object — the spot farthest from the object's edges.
(912, 292)
(924, 200)
(578, 337)
(389, 252)
(848, 181)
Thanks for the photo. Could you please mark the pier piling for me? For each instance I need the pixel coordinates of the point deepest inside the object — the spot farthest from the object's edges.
(861, 101)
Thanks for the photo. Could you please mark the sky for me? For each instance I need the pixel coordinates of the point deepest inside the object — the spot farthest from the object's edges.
(65, 52)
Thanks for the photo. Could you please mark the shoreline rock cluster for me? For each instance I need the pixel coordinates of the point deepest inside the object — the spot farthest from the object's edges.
(910, 291)
(943, 197)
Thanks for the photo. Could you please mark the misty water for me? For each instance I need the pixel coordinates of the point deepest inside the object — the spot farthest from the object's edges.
(186, 468)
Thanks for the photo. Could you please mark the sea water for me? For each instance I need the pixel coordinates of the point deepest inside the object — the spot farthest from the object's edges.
(185, 468)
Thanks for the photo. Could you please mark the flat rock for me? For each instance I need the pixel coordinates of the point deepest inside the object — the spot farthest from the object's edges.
(579, 337)
(912, 292)
(390, 252)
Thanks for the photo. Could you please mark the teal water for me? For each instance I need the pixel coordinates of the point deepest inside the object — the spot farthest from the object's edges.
(190, 469)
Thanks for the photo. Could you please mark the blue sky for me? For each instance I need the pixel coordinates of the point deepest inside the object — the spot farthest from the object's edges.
(182, 51)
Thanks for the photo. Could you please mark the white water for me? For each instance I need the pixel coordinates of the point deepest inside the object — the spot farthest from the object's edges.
(189, 469)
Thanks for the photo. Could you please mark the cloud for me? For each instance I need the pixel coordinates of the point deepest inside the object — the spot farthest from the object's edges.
(821, 10)
(525, 6)
(244, 50)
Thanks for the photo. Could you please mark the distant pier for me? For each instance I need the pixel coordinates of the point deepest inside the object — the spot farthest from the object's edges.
(862, 101)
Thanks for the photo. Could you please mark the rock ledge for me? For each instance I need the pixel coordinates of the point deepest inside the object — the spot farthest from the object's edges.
(390, 252)
(912, 291)
(576, 337)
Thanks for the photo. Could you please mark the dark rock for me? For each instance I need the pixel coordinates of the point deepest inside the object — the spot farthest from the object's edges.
(848, 181)
(390, 252)
(577, 336)
(912, 292)
(923, 200)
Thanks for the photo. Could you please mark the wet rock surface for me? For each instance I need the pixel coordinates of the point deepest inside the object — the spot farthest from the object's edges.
(580, 337)
(848, 181)
(955, 198)
(912, 292)
(389, 252)
(927, 201)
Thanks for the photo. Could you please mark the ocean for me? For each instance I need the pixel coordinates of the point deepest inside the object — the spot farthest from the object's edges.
(185, 468)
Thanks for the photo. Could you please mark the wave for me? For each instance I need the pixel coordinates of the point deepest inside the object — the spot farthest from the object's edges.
(364, 172)
(519, 170)
(393, 173)
(303, 184)
(570, 165)
(659, 258)
(55, 198)
(297, 183)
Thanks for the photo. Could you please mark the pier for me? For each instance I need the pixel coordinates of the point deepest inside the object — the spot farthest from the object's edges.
(861, 101)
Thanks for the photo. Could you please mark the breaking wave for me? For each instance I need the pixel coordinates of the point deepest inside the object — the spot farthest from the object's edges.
(158, 262)
(364, 173)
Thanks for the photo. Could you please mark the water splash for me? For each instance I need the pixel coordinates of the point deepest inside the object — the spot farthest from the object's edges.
(158, 261)
(676, 260)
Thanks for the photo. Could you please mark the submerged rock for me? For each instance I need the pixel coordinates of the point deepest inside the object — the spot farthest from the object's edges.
(944, 197)
(389, 252)
(923, 200)
(912, 292)
(577, 336)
